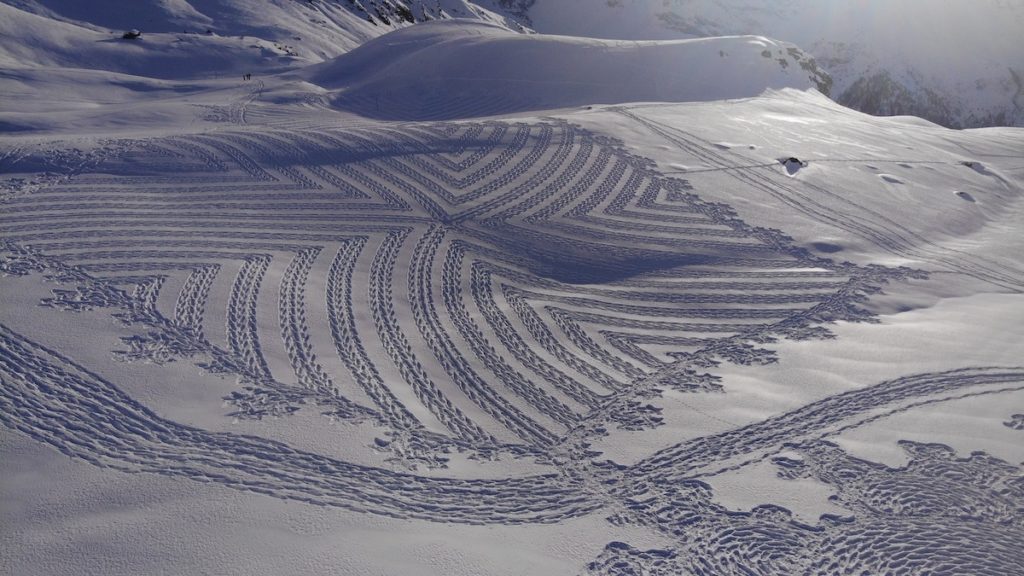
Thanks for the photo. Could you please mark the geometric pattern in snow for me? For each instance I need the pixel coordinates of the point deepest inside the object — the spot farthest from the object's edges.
(495, 288)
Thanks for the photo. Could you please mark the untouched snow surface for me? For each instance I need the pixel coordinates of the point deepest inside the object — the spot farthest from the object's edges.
(457, 69)
(647, 308)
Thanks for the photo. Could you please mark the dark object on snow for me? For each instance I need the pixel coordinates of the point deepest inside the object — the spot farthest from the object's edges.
(792, 164)
(132, 34)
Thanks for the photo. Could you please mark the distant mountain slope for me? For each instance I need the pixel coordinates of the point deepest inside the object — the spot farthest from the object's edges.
(309, 29)
(39, 42)
(959, 63)
(459, 68)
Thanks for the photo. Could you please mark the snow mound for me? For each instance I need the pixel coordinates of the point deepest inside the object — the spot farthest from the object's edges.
(460, 69)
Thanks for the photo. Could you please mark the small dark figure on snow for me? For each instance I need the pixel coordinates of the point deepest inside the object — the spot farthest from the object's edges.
(132, 34)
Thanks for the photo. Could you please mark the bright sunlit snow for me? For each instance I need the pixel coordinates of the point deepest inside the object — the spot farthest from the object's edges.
(421, 288)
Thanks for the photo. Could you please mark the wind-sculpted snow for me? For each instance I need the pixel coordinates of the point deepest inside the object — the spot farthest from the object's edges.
(432, 71)
(507, 290)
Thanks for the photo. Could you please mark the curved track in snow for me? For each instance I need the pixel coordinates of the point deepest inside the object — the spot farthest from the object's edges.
(504, 289)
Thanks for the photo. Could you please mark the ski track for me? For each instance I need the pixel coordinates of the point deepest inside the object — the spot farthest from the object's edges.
(862, 221)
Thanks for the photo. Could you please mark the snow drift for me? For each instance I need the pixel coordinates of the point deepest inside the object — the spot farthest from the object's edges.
(461, 69)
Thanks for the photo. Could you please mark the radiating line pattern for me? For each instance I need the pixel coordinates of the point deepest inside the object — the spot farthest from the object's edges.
(504, 289)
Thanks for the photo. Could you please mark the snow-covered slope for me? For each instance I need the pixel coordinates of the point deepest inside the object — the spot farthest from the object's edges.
(49, 46)
(36, 42)
(249, 328)
(309, 29)
(458, 69)
(959, 62)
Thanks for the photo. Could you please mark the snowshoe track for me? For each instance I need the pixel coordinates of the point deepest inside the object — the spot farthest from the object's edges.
(505, 289)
